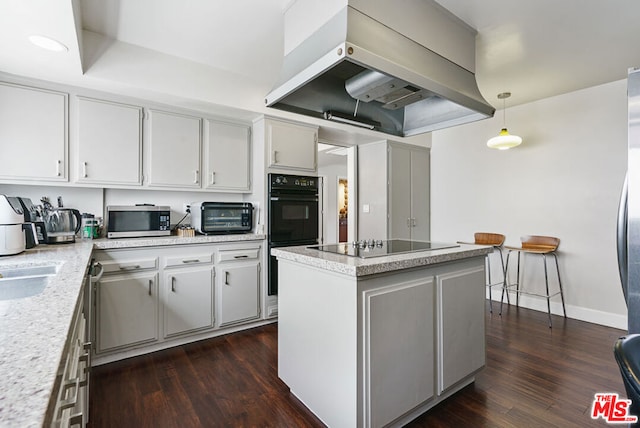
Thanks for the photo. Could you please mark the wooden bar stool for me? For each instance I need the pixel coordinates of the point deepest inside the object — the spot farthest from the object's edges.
(542, 245)
(496, 240)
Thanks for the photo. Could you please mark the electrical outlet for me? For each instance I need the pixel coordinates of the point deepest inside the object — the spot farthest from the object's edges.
(185, 208)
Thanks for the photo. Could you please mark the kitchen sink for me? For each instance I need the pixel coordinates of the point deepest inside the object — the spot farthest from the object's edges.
(18, 282)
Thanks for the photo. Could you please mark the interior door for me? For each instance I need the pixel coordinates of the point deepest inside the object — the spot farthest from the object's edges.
(399, 204)
(420, 213)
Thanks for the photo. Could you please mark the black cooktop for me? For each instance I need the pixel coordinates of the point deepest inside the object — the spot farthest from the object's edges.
(371, 248)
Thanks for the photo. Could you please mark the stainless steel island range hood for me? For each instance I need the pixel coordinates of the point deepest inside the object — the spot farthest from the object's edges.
(358, 71)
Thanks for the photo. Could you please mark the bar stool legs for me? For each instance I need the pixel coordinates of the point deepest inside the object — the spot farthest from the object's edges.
(548, 295)
(564, 311)
(490, 284)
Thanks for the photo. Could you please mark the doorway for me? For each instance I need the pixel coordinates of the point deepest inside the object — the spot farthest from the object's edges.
(337, 167)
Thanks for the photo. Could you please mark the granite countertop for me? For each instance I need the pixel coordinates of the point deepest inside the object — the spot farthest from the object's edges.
(112, 244)
(34, 330)
(356, 266)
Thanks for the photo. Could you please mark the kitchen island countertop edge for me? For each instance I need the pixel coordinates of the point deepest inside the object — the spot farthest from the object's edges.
(356, 266)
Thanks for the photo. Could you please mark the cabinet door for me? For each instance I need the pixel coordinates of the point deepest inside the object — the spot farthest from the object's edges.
(238, 287)
(461, 339)
(399, 356)
(109, 142)
(228, 156)
(420, 215)
(188, 304)
(127, 310)
(174, 150)
(399, 203)
(33, 133)
(291, 146)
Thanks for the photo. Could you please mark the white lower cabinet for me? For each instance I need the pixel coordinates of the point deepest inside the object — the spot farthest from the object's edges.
(461, 339)
(400, 366)
(127, 310)
(188, 300)
(72, 401)
(238, 293)
(153, 298)
(238, 284)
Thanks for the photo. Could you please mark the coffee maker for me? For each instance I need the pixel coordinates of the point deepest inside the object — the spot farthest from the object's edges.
(12, 237)
(33, 214)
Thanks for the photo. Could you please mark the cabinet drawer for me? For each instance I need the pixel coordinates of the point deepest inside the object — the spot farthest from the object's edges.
(131, 265)
(187, 260)
(241, 254)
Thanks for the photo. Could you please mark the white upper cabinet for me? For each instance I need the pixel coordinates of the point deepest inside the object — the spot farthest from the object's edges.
(291, 146)
(174, 143)
(33, 134)
(109, 142)
(228, 156)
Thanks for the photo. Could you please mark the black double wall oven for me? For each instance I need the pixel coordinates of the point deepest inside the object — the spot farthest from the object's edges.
(293, 216)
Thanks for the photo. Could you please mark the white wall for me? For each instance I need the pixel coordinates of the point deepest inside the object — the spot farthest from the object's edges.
(95, 200)
(564, 181)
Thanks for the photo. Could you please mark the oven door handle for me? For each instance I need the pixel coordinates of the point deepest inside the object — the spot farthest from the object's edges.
(295, 198)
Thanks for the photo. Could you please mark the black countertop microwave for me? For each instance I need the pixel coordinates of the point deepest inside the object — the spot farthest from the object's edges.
(209, 218)
(133, 221)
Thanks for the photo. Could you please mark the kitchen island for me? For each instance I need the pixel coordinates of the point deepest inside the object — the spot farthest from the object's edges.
(369, 342)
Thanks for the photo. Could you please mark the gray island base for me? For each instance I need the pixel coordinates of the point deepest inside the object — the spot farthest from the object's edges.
(377, 342)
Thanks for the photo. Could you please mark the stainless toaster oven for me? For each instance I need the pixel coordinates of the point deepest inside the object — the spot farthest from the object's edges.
(209, 218)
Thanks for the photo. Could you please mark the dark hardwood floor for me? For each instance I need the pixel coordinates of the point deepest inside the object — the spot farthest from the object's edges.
(534, 377)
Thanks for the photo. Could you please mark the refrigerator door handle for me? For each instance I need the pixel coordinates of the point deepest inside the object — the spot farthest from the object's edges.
(621, 236)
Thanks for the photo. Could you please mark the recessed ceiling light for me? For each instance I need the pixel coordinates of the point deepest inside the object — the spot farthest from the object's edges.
(47, 43)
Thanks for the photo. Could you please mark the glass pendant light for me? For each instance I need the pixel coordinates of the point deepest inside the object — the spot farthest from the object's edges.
(504, 140)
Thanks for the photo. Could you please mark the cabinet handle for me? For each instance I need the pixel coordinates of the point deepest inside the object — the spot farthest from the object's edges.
(226, 277)
(195, 177)
(84, 169)
(87, 360)
(191, 261)
(96, 277)
(241, 257)
(58, 162)
(150, 285)
(76, 420)
(213, 178)
(275, 156)
(173, 284)
(408, 222)
(413, 222)
(130, 267)
(70, 402)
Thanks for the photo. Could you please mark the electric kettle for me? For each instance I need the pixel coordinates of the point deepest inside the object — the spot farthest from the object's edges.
(61, 224)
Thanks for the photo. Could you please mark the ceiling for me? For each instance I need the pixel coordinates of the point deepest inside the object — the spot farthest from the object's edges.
(534, 49)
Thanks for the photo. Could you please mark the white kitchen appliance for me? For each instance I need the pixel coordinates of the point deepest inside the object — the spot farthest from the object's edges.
(12, 238)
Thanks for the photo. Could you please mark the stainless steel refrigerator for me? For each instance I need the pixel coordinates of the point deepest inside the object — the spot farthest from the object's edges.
(629, 211)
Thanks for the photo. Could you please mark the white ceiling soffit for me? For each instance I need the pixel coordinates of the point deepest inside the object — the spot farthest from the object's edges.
(20, 19)
(244, 37)
(537, 49)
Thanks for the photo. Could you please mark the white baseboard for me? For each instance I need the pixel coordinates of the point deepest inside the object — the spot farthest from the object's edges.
(575, 312)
